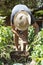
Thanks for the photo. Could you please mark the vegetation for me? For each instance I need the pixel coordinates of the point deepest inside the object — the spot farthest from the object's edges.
(2, 20)
(6, 42)
(37, 53)
(6, 35)
(7, 5)
(31, 34)
(38, 14)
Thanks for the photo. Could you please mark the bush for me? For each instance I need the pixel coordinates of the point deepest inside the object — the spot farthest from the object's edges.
(31, 34)
(37, 53)
(6, 42)
(2, 20)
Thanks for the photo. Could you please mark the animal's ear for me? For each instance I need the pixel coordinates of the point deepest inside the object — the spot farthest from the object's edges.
(29, 19)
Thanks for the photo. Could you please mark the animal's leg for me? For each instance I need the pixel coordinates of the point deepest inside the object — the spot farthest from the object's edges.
(16, 41)
(25, 40)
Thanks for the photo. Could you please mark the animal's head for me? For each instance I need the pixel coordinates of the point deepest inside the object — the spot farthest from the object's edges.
(22, 20)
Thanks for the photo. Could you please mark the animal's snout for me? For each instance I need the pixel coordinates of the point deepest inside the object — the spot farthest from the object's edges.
(23, 21)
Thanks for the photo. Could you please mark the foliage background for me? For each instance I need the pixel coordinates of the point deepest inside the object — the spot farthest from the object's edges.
(7, 5)
(6, 34)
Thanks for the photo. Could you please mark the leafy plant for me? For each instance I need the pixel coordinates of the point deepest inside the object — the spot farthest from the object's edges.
(39, 12)
(6, 43)
(31, 34)
(2, 20)
(37, 53)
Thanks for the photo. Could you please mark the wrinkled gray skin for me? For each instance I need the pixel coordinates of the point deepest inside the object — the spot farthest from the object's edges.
(21, 7)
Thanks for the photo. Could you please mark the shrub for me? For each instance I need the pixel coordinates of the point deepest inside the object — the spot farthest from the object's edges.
(2, 20)
(6, 42)
(31, 34)
(37, 53)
